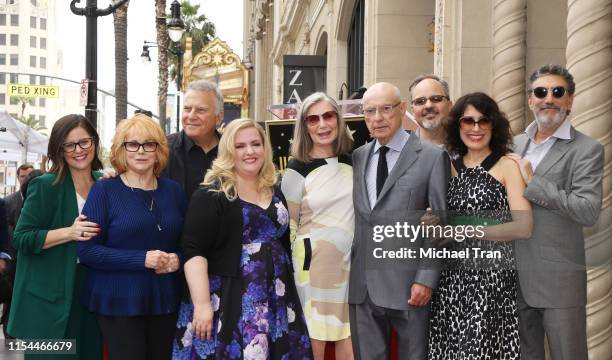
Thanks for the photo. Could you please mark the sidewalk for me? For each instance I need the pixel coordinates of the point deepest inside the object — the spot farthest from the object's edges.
(5, 354)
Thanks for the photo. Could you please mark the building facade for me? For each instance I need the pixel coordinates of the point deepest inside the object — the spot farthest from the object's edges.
(476, 45)
(28, 49)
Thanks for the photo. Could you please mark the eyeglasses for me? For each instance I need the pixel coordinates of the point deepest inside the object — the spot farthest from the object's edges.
(384, 110)
(312, 120)
(468, 122)
(423, 100)
(540, 92)
(134, 146)
(84, 144)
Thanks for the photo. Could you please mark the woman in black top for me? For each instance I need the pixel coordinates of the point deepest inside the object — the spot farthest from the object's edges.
(243, 301)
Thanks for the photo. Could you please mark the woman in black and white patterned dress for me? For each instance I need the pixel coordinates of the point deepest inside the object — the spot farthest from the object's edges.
(474, 314)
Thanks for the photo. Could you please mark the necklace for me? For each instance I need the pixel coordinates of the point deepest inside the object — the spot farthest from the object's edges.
(149, 202)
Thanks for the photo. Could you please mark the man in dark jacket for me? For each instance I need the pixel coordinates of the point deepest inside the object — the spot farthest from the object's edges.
(193, 149)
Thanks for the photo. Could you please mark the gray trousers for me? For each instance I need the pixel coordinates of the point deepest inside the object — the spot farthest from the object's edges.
(565, 329)
(371, 331)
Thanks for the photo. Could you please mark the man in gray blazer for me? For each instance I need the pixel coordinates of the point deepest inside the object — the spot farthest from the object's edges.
(396, 177)
(563, 169)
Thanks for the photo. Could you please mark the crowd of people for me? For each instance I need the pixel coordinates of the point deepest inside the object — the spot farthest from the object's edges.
(193, 246)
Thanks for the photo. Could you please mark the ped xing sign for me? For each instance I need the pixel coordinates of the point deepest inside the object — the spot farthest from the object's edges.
(25, 90)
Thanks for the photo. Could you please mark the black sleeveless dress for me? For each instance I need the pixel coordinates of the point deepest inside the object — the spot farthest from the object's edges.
(474, 314)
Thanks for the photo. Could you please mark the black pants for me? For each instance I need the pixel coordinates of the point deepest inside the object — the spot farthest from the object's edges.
(138, 337)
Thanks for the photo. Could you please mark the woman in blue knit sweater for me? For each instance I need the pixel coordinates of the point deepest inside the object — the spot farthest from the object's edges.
(133, 283)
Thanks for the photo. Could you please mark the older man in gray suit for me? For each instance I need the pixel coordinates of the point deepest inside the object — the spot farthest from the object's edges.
(563, 169)
(396, 177)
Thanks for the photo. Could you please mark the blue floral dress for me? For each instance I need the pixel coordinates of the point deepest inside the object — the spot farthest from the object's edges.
(271, 323)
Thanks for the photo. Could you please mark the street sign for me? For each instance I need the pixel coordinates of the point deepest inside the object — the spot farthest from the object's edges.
(84, 92)
(25, 90)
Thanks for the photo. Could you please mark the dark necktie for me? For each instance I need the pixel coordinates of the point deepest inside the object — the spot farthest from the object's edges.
(382, 171)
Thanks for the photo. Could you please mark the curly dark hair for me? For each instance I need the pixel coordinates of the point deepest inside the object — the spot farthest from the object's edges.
(501, 135)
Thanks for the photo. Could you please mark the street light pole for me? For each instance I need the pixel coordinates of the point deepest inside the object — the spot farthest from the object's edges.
(178, 51)
(176, 28)
(91, 12)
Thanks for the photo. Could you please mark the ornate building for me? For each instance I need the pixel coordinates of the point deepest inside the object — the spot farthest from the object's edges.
(486, 45)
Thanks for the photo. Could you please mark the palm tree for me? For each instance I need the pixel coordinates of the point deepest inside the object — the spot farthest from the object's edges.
(29, 121)
(198, 27)
(120, 26)
(162, 62)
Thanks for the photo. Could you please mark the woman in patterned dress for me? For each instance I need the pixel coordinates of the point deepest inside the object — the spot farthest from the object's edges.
(318, 185)
(474, 313)
(241, 301)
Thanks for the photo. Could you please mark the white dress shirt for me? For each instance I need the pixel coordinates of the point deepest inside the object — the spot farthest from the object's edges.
(395, 145)
(536, 152)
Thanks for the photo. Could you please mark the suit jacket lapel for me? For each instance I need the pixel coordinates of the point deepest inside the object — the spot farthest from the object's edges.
(363, 162)
(555, 154)
(408, 155)
(520, 145)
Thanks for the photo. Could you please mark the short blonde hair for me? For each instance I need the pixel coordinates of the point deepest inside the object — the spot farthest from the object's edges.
(151, 130)
(221, 176)
(302, 143)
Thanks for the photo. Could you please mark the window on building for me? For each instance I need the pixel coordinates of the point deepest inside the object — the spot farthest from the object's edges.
(2, 99)
(33, 22)
(42, 102)
(42, 80)
(34, 2)
(13, 100)
(14, 59)
(31, 117)
(2, 19)
(13, 78)
(14, 40)
(355, 48)
(2, 78)
(2, 59)
(41, 120)
(43, 62)
(43, 24)
(33, 42)
(43, 43)
(32, 79)
(2, 39)
(33, 61)
(14, 20)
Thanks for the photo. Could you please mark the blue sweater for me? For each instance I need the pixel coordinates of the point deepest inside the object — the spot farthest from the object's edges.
(118, 284)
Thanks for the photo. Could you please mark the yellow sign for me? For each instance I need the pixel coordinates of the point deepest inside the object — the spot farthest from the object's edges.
(24, 90)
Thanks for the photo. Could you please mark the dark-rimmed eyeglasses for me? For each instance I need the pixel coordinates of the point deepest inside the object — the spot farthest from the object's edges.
(84, 144)
(541, 92)
(468, 122)
(385, 110)
(312, 120)
(423, 100)
(134, 146)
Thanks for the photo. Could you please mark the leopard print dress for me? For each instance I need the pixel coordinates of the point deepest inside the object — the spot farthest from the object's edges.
(474, 313)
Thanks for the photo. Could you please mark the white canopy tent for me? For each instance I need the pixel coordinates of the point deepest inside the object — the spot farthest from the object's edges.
(18, 142)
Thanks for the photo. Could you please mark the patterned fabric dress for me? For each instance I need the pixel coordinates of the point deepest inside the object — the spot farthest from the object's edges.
(320, 199)
(474, 314)
(271, 325)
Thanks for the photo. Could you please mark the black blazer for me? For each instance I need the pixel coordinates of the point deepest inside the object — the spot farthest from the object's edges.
(213, 229)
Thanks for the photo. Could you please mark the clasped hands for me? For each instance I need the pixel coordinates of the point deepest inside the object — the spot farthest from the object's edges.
(162, 262)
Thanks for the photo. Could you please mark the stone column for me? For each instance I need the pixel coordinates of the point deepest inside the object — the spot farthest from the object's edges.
(509, 50)
(589, 59)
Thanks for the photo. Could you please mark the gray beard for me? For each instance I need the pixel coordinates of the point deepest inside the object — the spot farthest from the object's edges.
(431, 125)
(550, 122)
